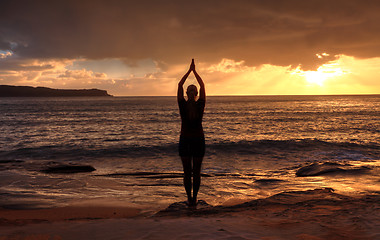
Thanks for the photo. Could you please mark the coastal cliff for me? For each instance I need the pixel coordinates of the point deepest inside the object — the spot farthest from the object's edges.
(26, 91)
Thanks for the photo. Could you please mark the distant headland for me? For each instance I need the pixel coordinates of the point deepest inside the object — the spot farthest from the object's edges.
(26, 91)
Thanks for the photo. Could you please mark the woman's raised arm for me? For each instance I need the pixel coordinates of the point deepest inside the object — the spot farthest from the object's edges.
(180, 86)
(202, 91)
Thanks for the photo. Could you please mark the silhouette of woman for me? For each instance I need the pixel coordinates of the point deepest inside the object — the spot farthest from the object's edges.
(192, 140)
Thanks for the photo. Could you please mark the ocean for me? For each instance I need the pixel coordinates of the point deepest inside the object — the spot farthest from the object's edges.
(256, 146)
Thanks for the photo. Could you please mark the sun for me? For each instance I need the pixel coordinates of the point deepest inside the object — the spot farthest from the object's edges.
(321, 75)
(316, 77)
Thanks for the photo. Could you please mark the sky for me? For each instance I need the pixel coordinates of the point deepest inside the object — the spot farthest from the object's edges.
(240, 47)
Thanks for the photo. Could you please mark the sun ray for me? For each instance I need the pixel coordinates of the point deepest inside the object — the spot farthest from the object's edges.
(322, 74)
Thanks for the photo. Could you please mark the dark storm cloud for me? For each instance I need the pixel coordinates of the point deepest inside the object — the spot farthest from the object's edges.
(275, 32)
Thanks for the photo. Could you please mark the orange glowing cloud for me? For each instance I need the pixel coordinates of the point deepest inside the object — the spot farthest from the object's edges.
(344, 75)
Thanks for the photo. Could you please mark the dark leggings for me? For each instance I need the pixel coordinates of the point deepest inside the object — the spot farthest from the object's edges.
(192, 167)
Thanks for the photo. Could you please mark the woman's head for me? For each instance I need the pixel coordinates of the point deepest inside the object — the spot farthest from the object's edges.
(192, 92)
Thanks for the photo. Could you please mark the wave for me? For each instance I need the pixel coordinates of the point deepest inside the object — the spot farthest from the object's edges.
(331, 168)
(241, 147)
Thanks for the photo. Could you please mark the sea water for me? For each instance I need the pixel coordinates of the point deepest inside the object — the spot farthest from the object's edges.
(254, 147)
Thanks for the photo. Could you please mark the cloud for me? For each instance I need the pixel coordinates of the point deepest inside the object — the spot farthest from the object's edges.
(228, 65)
(5, 54)
(343, 75)
(37, 72)
(280, 33)
(144, 47)
(60, 73)
(79, 74)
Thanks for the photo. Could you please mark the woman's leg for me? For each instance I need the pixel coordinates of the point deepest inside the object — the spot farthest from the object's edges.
(197, 165)
(186, 163)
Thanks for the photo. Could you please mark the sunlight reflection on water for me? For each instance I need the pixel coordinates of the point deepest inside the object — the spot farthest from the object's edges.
(255, 145)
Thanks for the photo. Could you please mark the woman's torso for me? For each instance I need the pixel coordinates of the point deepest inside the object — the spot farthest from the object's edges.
(191, 115)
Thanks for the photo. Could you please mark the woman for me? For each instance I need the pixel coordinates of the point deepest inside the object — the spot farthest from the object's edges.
(192, 140)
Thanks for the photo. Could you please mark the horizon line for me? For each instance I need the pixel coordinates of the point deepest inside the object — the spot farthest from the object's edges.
(258, 95)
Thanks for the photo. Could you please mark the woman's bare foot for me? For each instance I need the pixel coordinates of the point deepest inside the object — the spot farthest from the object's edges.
(193, 202)
(189, 202)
